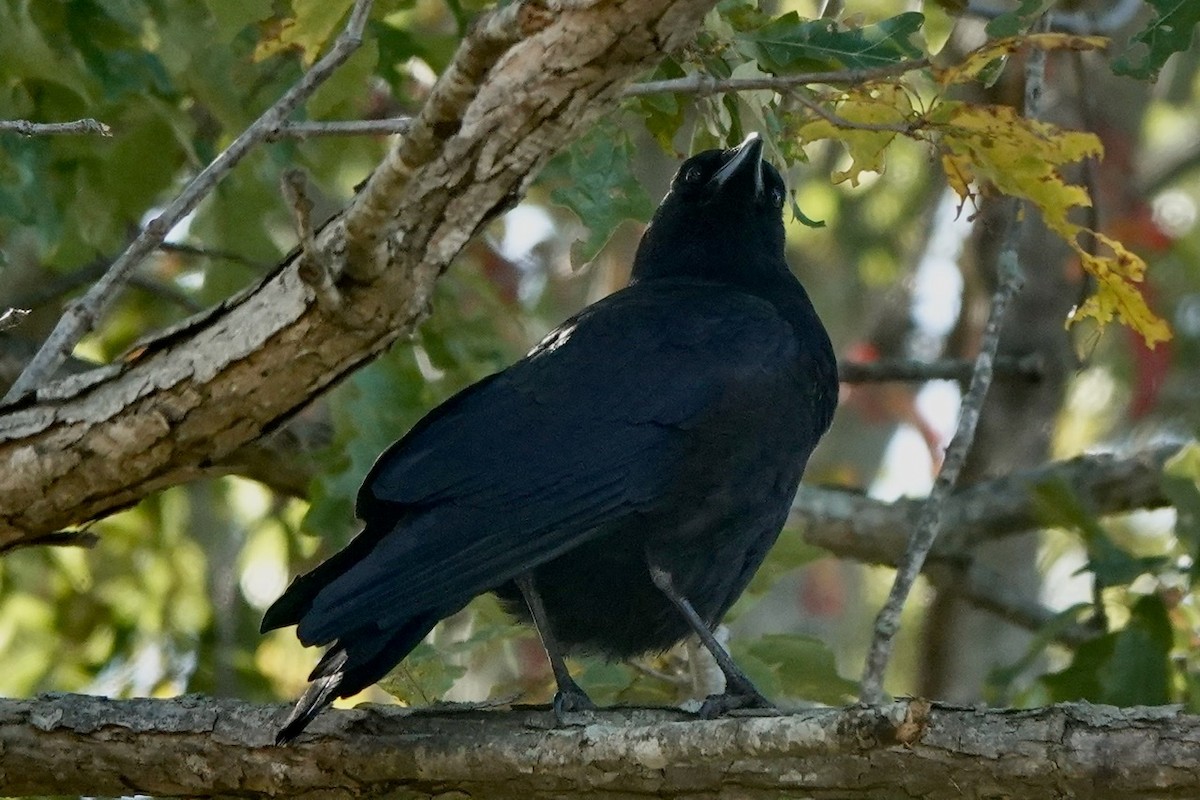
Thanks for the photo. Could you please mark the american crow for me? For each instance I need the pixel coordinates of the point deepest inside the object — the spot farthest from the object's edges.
(618, 486)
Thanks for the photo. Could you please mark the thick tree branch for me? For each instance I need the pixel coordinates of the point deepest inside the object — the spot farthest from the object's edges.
(86, 445)
(70, 744)
(82, 314)
(872, 531)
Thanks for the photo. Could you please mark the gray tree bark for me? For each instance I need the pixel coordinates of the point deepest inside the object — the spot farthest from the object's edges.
(194, 747)
(523, 85)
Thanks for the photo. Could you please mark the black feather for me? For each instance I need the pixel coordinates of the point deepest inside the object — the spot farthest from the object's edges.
(668, 423)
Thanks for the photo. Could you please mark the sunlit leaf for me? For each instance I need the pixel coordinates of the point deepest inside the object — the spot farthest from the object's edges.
(312, 24)
(883, 112)
(995, 146)
(1111, 564)
(975, 62)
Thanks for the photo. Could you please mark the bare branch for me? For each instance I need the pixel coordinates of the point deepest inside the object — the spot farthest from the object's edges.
(1027, 368)
(207, 748)
(1010, 280)
(858, 527)
(841, 122)
(82, 314)
(355, 127)
(704, 85)
(988, 592)
(27, 128)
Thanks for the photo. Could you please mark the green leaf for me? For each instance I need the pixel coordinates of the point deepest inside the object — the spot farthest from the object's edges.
(1169, 32)
(314, 22)
(796, 666)
(597, 184)
(1111, 564)
(233, 15)
(422, 677)
(345, 93)
(1129, 667)
(789, 553)
(1139, 673)
(1018, 20)
(1181, 484)
(790, 43)
(1000, 680)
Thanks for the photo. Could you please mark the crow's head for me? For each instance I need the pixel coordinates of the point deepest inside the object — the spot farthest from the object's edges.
(722, 219)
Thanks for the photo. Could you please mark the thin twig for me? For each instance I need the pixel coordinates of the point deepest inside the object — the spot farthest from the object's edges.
(11, 317)
(26, 128)
(929, 522)
(313, 265)
(987, 593)
(354, 127)
(703, 85)
(841, 122)
(54, 287)
(81, 538)
(83, 313)
(908, 370)
(182, 248)
(167, 292)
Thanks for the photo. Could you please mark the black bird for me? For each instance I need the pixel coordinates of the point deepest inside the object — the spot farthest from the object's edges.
(619, 485)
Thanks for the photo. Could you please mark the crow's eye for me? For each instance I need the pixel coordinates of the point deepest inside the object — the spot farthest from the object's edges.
(777, 197)
(693, 174)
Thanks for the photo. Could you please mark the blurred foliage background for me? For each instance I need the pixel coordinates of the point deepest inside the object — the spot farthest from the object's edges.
(169, 599)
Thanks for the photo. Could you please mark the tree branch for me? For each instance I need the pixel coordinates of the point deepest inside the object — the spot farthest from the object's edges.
(193, 747)
(82, 314)
(1028, 368)
(179, 404)
(353, 127)
(854, 526)
(703, 85)
(887, 623)
(26, 128)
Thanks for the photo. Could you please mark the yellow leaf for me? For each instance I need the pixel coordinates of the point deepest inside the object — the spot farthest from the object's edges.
(978, 60)
(873, 117)
(1117, 294)
(996, 146)
(312, 24)
(1019, 156)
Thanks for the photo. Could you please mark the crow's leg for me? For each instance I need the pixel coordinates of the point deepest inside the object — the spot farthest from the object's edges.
(569, 696)
(739, 691)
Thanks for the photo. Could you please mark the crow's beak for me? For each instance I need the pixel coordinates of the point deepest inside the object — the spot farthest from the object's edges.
(744, 160)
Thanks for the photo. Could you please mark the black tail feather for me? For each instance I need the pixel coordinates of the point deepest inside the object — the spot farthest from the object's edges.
(350, 665)
(319, 694)
(298, 598)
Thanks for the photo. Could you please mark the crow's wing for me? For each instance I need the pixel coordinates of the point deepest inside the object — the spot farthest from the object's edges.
(525, 465)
